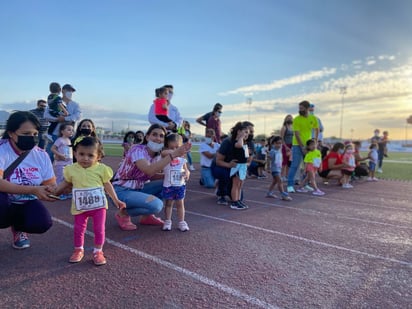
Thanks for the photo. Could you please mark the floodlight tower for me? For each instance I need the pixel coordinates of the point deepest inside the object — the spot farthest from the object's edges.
(343, 91)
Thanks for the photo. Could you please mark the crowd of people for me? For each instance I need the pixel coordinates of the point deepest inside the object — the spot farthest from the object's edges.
(48, 154)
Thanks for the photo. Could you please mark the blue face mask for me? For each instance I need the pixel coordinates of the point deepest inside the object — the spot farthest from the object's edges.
(155, 147)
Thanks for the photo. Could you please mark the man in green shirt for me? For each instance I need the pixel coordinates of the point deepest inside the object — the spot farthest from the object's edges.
(303, 124)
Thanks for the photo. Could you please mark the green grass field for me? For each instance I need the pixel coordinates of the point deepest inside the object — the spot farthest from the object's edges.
(397, 166)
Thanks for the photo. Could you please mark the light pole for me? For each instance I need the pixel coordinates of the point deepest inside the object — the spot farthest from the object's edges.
(343, 91)
(249, 102)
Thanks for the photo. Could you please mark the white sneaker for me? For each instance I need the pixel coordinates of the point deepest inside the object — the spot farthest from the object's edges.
(183, 226)
(380, 170)
(347, 186)
(167, 225)
(370, 179)
(309, 188)
(374, 179)
(192, 168)
(290, 189)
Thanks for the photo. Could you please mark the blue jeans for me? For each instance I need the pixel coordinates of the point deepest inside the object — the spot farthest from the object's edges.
(189, 158)
(48, 147)
(297, 157)
(207, 178)
(142, 202)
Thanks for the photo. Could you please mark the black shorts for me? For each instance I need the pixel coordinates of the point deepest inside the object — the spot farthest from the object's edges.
(346, 172)
(324, 174)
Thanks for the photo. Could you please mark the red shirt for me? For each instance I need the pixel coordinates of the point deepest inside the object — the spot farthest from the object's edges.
(331, 155)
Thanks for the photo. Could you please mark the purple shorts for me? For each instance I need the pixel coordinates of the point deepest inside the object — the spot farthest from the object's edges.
(174, 193)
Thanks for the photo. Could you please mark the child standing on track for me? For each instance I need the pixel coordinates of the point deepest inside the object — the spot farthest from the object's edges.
(276, 159)
(373, 161)
(313, 163)
(176, 174)
(89, 179)
(240, 133)
(63, 153)
(348, 159)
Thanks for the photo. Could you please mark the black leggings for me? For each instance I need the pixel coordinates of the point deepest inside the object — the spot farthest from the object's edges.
(31, 217)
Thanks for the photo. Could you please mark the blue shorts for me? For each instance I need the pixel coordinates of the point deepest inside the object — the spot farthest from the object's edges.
(275, 173)
(372, 166)
(174, 193)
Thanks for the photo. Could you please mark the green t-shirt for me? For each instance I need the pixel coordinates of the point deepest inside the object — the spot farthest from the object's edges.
(304, 126)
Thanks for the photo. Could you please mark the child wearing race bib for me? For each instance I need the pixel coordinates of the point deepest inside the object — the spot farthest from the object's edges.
(276, 160)
(313, 163)
(89, 179)
(176, 174)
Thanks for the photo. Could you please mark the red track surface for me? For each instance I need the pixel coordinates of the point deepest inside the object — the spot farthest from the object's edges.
(348, 249)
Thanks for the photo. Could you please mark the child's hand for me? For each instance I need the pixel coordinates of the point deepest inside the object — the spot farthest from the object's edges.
(186, 175)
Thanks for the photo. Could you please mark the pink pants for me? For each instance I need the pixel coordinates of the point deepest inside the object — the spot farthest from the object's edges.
(80, 225)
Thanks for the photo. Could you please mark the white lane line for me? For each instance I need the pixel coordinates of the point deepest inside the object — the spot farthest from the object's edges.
(308, 210)
(307, 240)
(195, 276)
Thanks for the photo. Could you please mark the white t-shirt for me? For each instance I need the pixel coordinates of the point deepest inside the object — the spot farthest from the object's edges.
(173, 173)
(34, 170)
(205, 161)
(63, 147)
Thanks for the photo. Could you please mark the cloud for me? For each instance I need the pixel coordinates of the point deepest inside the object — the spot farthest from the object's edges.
(277, 84)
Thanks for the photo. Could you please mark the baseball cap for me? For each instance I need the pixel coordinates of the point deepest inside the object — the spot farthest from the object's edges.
(68, 87)
(311, 105)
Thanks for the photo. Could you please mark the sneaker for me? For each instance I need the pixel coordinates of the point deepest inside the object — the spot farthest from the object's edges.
(151, 220)
(222, 201)
(284, 179)
(347, 186)
(77, 256)
(325, 182)
(309, 188)
(380, 170)
(243, 204)
(290, 189)
(318, 192)
(285, 196)
(98, 258)
(20, 240)
(374, 179)
(192, 168)
(271, 195)
(369, 179)
(262, 177)
(237, 206)
(125, 223)
(183, 227)
(167, 226)
(302, 190)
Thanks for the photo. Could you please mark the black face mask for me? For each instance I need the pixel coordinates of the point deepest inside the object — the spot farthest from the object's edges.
(249, 138)
(25, 142)
(302, 113)
(138, 140)
(85, 131)
(289, 122)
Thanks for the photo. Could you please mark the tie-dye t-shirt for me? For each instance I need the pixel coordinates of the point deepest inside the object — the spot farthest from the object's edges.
(129, 175)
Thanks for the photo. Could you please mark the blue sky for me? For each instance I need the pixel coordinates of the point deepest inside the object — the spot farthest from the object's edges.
(115, 53)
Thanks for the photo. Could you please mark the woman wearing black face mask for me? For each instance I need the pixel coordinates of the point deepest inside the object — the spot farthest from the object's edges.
(86, 127)
(26, 184)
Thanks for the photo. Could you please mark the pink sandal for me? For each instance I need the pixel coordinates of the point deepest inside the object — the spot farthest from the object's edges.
(125, 223)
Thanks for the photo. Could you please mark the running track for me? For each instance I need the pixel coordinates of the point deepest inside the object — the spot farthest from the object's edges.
(348, 249)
